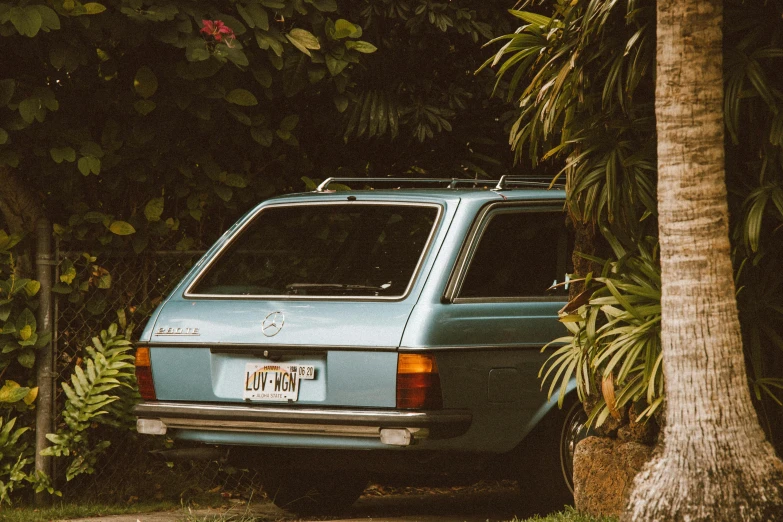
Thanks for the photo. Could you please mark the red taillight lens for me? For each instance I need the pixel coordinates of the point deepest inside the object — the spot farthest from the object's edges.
(144, 374)
(418, 382)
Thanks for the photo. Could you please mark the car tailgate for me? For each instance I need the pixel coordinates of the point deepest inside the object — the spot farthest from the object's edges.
(200, 349)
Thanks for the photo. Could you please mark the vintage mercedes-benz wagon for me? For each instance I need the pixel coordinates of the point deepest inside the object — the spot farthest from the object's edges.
(336, 335)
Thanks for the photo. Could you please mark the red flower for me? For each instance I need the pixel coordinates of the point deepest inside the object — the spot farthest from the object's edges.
(217, 29)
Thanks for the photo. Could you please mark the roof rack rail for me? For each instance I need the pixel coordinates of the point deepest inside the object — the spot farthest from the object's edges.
(504, 183)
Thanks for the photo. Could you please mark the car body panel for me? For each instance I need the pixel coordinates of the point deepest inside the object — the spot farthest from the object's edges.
(488, 352)
(219, 377)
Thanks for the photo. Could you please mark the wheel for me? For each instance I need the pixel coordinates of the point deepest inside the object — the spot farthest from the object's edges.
(573, 431)
(316, 493)
(546, 459)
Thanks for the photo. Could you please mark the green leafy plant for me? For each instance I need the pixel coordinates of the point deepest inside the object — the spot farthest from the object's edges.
(582, 81)
(108, 366)
(614, 348)
(19, 336)
(15, 456)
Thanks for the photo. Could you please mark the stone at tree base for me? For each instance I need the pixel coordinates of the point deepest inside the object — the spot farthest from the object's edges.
(604, 470)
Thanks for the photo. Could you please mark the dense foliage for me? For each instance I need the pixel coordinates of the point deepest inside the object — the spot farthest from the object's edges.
(581, 73)
(137, 125)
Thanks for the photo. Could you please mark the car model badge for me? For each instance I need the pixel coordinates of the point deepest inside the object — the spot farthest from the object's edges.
(164, 330)
(273, 323)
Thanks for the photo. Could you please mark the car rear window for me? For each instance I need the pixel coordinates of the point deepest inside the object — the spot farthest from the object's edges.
(323, 250)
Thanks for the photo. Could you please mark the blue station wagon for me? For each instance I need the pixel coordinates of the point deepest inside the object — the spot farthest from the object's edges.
(392, 331)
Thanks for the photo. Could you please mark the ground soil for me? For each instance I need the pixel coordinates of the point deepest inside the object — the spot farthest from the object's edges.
(485, 501)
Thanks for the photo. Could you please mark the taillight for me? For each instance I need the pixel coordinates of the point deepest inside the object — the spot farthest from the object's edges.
(418, 382)
(144, 374)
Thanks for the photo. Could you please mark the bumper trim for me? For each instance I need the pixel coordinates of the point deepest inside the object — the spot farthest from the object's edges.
(435, 424)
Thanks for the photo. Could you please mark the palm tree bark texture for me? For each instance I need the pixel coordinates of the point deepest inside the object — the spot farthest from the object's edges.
(715, 463)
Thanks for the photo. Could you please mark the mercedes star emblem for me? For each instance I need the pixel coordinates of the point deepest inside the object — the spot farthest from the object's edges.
(273, 323)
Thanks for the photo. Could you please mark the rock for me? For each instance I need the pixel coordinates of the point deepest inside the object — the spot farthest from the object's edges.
(604, 470)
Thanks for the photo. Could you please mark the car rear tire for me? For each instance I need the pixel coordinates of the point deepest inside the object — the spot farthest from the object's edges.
(545, 465)
(316, 493)
(572, 432)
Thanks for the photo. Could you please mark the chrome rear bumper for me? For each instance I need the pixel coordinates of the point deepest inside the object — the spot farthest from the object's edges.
(393, 427)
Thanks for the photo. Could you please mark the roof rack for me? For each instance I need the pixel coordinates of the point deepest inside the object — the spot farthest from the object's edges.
(504, 183)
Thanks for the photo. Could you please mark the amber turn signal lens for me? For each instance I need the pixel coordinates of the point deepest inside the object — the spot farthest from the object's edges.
(144, 374)
(418, 382)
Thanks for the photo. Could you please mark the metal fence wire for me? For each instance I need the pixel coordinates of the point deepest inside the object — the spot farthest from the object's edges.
(126, 470)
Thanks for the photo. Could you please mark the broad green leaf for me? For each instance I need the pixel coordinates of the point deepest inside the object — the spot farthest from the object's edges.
(32, 288)
(254, 15)
(26, 332)
(49, 18)
(84, 166)
(154, 209)
(28, 109)
(361, 46)
(224, 193)
(327, 6)
(241, 97)
(303, 40)
(29, 399)
(26, 318)
(235, 180)
(145, 83)
(343, 28)
(144, 107)
(262, 136)
(11, 392)
(289, 122)
(67, 271)
(89, 165)
(26, 359)
(93, 8)
(335, 65)
(238, 57)
(341, 102)
(60, 154)
(122, 228)
(3, 136)
(26, 20)
(104, 281)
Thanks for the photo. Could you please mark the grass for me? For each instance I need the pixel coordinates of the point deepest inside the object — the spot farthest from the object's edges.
(66, 511)
(568, 515)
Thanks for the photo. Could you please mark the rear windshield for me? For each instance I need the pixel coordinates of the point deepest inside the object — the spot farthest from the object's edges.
(323, 250)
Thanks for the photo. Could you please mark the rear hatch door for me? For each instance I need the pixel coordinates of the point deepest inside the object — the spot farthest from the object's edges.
(334, 302)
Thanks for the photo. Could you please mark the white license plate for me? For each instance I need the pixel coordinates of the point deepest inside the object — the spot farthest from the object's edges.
(275, 382)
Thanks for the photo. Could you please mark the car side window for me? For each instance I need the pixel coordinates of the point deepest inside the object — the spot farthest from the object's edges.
(520, 254)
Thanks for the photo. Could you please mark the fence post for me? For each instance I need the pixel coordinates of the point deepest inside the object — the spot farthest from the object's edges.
(44, 422)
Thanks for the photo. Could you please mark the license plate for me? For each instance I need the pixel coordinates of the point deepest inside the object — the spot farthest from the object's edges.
(275, 382)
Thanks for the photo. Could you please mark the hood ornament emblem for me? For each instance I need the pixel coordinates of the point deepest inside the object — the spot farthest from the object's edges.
(273, 323)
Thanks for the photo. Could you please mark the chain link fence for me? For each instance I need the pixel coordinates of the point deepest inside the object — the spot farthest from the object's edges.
(138, 283)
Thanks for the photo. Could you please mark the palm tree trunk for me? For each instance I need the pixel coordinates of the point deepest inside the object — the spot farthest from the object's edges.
(715, 463)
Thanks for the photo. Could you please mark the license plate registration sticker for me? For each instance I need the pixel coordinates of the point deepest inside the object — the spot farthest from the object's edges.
(275, 382)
